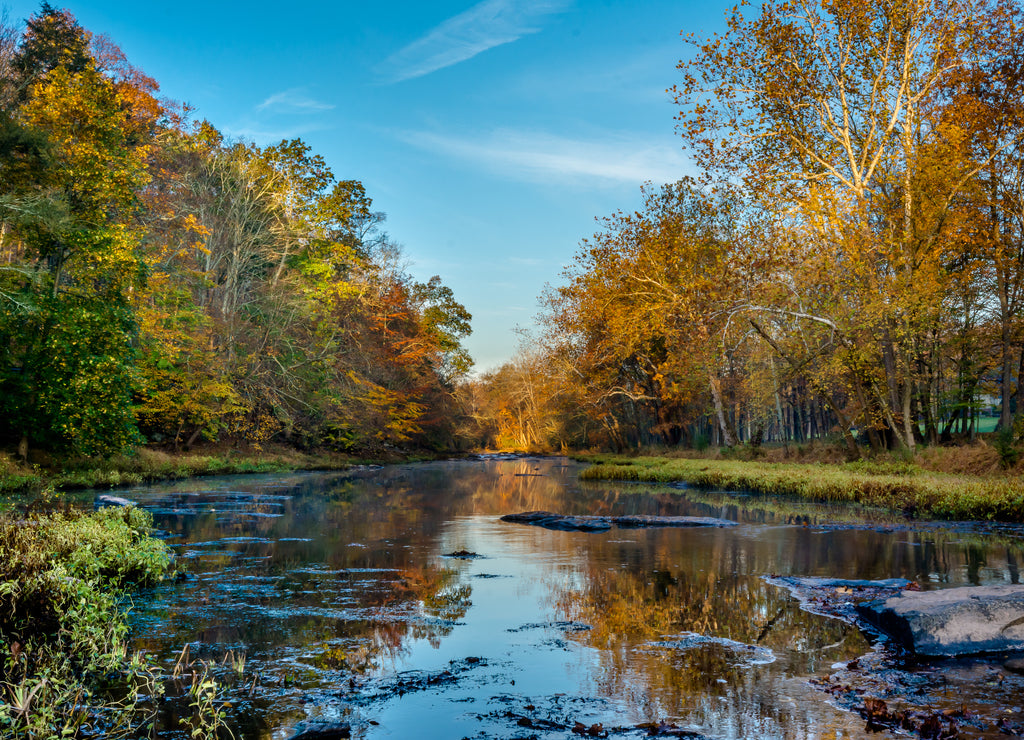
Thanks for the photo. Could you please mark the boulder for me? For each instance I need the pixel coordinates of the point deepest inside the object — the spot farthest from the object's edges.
(952, 621)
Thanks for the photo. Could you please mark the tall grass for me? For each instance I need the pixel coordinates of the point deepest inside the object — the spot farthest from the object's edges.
(897, 485)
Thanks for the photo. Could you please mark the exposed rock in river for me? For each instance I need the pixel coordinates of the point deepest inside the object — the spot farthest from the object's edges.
(587, 523)
(642, 520)
(550, 520)
(105, 499)
(322, 731)
(953, 621)
(838, 597)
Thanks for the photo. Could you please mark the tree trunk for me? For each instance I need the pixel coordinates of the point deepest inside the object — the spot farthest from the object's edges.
(728, 436)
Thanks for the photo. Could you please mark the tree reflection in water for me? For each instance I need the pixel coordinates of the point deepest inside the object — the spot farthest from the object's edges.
(336, 587)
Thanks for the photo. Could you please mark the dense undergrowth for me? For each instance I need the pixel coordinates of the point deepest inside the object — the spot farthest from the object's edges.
(959, 483)
(64, 579)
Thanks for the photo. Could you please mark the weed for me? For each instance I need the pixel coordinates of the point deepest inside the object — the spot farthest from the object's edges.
(236, 661)
(63, 581)
(207, 719)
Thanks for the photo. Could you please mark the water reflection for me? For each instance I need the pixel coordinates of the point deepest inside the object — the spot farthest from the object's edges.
(337, 589)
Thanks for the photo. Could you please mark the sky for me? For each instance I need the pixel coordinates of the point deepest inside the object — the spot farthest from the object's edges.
(492, 134)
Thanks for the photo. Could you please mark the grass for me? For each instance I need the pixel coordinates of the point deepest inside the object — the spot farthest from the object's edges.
(913, 487)
(146, 465)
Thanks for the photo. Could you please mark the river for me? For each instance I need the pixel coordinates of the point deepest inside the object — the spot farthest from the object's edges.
(395, 600)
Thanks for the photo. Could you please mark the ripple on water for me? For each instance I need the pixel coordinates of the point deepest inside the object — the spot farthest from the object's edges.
(574, 633)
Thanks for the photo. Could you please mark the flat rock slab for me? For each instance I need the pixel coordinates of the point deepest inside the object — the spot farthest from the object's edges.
(587, 523)
(952, 621)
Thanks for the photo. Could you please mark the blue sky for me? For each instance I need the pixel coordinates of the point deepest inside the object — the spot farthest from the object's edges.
(492, 134)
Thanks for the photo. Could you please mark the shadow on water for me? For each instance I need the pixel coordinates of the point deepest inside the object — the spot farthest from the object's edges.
(394, 600)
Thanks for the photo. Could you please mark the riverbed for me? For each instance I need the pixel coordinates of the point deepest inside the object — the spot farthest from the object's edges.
(395, 601)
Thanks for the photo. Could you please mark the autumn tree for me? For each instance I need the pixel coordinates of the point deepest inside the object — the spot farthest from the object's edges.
(157, 276)
(833, 113)
(68, 336)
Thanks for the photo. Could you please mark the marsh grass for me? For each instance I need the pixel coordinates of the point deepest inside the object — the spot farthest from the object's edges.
(146, 465)
(64, 579)
(899, 485)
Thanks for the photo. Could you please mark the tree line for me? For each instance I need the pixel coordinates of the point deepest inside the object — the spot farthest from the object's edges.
(159, 283)
(848, 263)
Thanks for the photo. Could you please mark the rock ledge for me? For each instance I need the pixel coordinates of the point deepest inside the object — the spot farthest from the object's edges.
(952, 621)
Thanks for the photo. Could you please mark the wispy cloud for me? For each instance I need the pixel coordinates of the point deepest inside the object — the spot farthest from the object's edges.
(613, 159)
(486, 25)
(250, 131)
(292, 101)
(528, 262)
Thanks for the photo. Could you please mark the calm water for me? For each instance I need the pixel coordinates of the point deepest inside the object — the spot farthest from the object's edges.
(340, 591)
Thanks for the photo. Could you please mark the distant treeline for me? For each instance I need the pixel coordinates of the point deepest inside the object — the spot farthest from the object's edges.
(848, 263)
(159, 283)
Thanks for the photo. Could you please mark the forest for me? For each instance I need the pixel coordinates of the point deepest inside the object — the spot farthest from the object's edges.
(161, 284)
(845, 262)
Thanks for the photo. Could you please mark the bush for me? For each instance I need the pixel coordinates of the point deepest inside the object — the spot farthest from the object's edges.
(63, 577)
(1003, 442)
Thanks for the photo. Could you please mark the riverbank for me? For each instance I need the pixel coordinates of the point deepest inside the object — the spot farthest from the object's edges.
(918, 488)
(64, 581)
(147, 465)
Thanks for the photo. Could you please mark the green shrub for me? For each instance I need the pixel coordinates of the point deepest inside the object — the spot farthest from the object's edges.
(63, 578)
(1004, 444)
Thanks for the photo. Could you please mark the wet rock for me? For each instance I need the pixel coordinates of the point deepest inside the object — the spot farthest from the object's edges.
(564, 626)
(665, 729)
(588, 523)
(595, 730)
(641, 520)
(954, 621)
(837, 597)
(749, 654)
(561, 522)
(537, 724)
(105, 499)
(853, 584)
(408, 682)
(322, 731)
(1014, 665)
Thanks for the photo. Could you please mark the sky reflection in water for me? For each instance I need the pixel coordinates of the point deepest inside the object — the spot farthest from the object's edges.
(338, 590)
